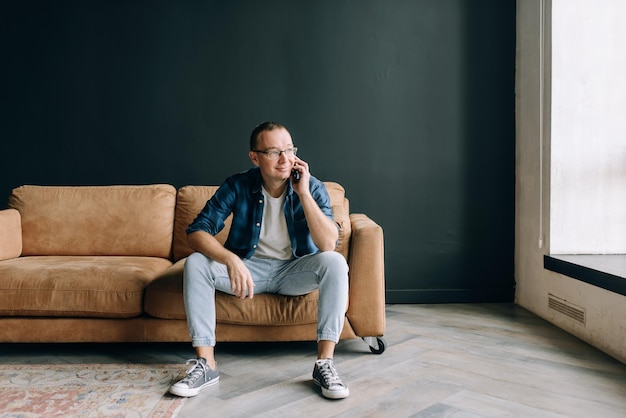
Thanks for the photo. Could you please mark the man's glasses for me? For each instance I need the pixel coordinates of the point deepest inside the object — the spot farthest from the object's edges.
(275, 154)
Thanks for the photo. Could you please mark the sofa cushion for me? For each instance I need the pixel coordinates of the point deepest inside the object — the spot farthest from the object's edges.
(190, 201)
(164, 299)
(76, 286)
(11, 236)
(96, 220)
(341, 212)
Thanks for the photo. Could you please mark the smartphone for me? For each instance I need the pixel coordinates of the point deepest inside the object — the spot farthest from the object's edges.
(295, 175)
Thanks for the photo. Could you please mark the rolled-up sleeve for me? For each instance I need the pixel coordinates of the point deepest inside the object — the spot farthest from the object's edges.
(217, 209)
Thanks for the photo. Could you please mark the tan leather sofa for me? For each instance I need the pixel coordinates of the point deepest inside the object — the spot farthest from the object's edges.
(104, 264)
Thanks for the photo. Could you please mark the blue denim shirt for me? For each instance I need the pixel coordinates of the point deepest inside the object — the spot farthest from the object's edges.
(241, 195)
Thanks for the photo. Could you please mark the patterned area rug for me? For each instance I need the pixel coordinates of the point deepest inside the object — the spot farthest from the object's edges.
(80, 390)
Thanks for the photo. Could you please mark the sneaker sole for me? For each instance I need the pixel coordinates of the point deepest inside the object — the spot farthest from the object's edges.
(186, 393)
(333, 394)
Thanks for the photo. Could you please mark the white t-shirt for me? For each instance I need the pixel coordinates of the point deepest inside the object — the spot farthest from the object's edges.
(274, 240)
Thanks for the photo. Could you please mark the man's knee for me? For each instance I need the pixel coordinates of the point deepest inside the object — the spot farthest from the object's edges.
(197, 265)
(194, 261)
(334, 262)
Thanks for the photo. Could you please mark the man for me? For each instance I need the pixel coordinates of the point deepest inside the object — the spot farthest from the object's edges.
(282, 240)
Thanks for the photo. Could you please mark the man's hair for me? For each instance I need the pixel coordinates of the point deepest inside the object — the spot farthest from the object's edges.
(265, 126)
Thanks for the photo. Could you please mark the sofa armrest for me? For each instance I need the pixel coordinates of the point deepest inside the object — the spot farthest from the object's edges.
(10, 234)
(366, 309)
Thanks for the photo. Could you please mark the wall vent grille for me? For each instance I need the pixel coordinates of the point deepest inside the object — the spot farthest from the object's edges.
(566, 308)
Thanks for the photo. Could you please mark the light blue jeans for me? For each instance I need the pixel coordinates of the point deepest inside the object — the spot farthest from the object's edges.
(326, 271)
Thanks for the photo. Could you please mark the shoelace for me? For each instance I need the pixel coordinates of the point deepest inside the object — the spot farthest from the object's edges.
(328, 372)
(194, 372)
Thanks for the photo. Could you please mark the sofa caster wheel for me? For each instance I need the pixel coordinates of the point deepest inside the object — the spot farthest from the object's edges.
(377, 344)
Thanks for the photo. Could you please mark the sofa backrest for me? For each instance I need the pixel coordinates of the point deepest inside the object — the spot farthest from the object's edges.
(11, 236)
(191, 200)
(96, 220)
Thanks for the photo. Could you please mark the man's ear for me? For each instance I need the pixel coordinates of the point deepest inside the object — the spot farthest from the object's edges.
(254, 157)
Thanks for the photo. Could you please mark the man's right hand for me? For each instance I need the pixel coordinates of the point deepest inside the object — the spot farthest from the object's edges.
(241, 283)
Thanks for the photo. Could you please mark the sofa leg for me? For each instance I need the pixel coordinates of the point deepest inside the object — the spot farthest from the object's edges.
(377, 344)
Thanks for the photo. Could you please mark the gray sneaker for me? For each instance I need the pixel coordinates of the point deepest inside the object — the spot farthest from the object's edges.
(198, 377)
(326, 377)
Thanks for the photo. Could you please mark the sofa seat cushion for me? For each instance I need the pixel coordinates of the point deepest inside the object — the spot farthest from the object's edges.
(76, 286)
(164, 299)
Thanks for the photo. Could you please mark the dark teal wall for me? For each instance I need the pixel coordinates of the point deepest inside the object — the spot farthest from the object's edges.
(408, 104)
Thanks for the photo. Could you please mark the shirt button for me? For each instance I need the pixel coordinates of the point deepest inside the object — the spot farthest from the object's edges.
(258, 224)
(260, 201)
(254, 246)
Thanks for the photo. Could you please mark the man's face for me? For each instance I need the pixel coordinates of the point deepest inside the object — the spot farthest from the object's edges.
(274, 140)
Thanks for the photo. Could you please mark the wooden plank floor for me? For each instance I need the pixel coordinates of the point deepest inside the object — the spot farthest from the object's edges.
(450, 360)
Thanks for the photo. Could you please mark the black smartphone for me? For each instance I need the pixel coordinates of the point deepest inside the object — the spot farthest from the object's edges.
(296, 175)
